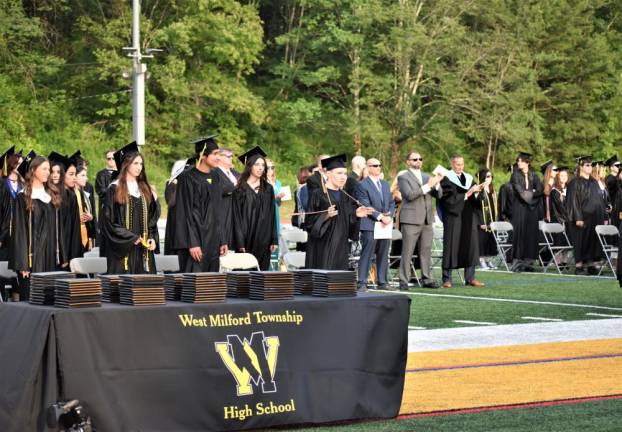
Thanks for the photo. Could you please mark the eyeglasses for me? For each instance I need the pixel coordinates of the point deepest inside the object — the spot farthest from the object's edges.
(110, 158)
(416, 159)
(375, 165)
(271, 167)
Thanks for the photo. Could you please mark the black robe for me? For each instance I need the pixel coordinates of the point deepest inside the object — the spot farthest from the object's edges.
(227, 188)
(526, 209)
(43, 244)
(460, 241)
(504, 202)
(487, 213)
(328, 247)
(170, 191)
(584, 202)
(120, 240)
(102, 181)
(7, 219)
(70, 225)
(198, 221)
(254, 221)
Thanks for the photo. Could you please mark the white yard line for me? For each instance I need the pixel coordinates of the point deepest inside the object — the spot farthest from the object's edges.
(515, 301)
(475, 322)
(542, 319)
(415, 328)
(603, 315)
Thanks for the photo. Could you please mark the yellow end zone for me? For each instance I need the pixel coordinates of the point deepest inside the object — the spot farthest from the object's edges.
(474, 378)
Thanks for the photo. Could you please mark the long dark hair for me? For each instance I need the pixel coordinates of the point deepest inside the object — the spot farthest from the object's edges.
(12, 162)
(247, 172)
(481, 178)
(36, 163)
(121, 193)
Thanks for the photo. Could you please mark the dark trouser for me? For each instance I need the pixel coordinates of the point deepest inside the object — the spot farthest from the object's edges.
(23, 287)
(369, 247)
(469, 274)
(410, 235)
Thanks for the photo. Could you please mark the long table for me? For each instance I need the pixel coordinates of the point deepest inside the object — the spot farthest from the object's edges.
(189, 367)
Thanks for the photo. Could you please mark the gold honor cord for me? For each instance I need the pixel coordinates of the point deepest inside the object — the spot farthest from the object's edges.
(492, 209)
(144, 241)
(128, 225)
(30, 238)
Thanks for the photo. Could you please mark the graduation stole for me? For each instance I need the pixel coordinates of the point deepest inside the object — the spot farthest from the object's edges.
(144, 241)
(453, 177)
(30, 237)
(84, 235)
(491, 207)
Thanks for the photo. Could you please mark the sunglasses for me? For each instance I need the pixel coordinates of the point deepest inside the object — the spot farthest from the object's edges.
(271, 167)
(416, 159)
(110, 158)
(375, 166)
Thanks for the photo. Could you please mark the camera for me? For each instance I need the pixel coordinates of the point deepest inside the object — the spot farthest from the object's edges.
(68, 417)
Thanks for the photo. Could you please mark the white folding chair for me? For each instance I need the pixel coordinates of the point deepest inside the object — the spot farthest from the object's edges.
(560, 253)
(166, 263)
(291, 235)
(294, 260)
(91, 254)
(238, 261)
(397, 259)
(608, 236)
(502, 233)
(88, 266)
(436, 253)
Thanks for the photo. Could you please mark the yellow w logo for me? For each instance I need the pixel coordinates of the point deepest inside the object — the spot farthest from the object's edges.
(251, 362)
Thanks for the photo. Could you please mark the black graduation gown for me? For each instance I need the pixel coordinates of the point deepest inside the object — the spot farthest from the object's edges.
(170, 191)
(7, 212)
(227, 188)
(487, 213)
(526, 209)
(198, 222)
(70, 222)
(90, 225)
(254, 221)
(505, 202)
(460, 241)
(328, 247)
(102, 181)
(584, 202)
(120, 240)
(42, 244)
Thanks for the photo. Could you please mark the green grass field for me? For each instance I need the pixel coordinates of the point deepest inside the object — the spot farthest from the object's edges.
(601, 416)
(503, 299)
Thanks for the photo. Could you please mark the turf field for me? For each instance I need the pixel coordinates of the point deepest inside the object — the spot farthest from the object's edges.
(511, 298)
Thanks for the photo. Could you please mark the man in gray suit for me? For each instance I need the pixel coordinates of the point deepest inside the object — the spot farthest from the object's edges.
(416, 218)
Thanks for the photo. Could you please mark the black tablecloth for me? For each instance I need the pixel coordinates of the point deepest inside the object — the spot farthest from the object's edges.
(185, 367)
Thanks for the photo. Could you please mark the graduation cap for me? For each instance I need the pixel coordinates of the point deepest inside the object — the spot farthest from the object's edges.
(595, 163)
(338, 161)
(613, 160)
(524, 156)
(255, 152)
(75, 159)
(120, 154)
(562, 168)
(58, 159)
(205, 145)
(4, 158)
(22, 169)
(583, 159)
(545, 165)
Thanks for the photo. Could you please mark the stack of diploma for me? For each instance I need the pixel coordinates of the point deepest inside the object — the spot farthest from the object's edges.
(303, 282)
(204, 288)
(42, 286)
(173, 284)
(78, 293)
(334, 283)
(110, 288)
(142, 290)
(268, 285)
(238, 284)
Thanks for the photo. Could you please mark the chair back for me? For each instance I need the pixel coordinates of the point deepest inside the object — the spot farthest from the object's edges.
(88, 265)
(238, 261)
(294, 260)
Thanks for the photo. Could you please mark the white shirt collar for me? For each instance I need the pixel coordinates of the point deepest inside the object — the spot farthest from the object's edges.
(41, 194)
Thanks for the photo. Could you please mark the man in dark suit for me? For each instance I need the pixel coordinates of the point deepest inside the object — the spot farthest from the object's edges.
(416, 219)
(376, 193)
(227, 177)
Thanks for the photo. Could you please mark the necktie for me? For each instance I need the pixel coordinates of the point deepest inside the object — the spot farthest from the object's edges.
(462, 179)
(379, 187)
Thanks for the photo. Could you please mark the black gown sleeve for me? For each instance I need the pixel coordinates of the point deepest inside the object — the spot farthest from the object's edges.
(152, 224)
(119, 239)
(20, 239)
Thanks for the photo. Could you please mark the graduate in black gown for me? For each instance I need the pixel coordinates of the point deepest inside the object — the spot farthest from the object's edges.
(504, 202)
(611, 181)
(170, 192)
(459, 204)
(198, 235)
(86, 209)
(69, 211)
(586, 209)
(11, 185)
(102, 181)
(332, 219)
(527, 206)
(486, 214)
(253, 210)
(227, 177)
(35, 244)
(130, 220)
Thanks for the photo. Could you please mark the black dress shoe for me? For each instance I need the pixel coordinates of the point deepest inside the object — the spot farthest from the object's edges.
(431, 284)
